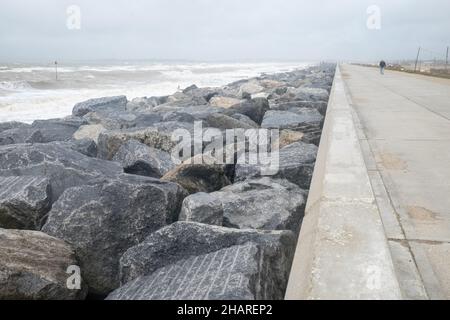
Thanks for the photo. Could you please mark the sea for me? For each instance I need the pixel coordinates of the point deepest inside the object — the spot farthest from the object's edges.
(30, 92)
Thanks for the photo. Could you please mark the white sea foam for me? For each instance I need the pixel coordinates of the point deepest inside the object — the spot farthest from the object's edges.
(28, 93)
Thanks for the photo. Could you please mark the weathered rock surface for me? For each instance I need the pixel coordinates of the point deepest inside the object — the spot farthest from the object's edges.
(224, 102)
(198, 177)
(202, 208)
(108, 103)
(24, 201)
(308, 94)
(63, 166)
(184, 240)
(287, 106)
(302, 118)
(12, 125)
(158, 136)
(137, 158)
(296, 164)
(239, 272)
(103, 220)
(254, 109)
(90, 131)
(33, 266)
(263, 203)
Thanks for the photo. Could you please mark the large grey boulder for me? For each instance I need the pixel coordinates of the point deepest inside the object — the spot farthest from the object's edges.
(296, 164)
(320, 106)
(138, 158)
(185, 240)
(103, 220)
(24, 201)
(202, 208)
(58, 129)
(254, 109)
(12, 125)
(308, 94)
(263, 203)
(107, 103)
(33, 266)
(241, 272)
(223, 122)
(158, 136)
(42, 131)
(63, 166)
(297, 119)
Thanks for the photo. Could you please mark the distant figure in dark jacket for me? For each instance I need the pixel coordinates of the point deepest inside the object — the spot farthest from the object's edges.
(382, 66)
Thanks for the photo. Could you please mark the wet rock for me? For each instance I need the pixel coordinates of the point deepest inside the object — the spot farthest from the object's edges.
(185, 240)
(33, 266)
(137, 158)
(63, 166)
(296, 164)
(24, 201)
(107, 103)
(103, 220)
(203, 208)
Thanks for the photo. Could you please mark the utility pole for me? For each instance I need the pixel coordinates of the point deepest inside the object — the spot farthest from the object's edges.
(56, 70)
(446, 60)
(417, 60)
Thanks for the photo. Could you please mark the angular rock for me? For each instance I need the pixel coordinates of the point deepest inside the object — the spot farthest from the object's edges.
(308, 94)
(87, 147)
(223, 122)
(158, 136)
(20, 135)
(12, 125)
(107, 103)
(296, 164)
(137, 158)
(33, 266)
(202, 208)
(24, 201)
(198, 177)
(263, 204)
(57, 129)
(63, 166)
(223, 102)
(103, 220)
(254, 109)
(302, 119)
(184, 240)
(91, 131)
(250, 87)
(288, 137)
(236, 273)
(288, 106)
(245, 119)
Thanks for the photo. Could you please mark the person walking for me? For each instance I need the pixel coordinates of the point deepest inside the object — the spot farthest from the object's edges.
(382, 66)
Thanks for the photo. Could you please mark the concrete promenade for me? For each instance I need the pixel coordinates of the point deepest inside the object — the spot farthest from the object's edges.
(377, 222)
(404, 130)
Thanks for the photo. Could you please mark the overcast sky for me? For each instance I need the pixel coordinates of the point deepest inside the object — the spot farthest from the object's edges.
(232, 30)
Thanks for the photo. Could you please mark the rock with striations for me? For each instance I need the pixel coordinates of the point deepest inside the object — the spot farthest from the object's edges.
(264, 203)
(63, 166)
(296, 164)
(241, 272)
(24, 201)
(101, 221)
(107, 103)
(140, 159)
(202, 208)
(33, 266)
(187, 240)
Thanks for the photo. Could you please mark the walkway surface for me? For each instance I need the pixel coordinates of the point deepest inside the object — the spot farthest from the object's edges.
(404, 130)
